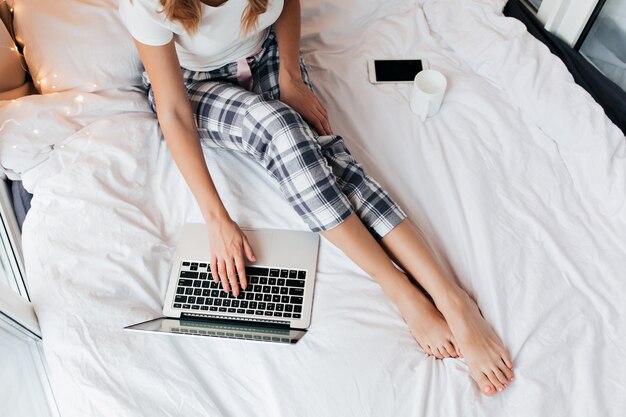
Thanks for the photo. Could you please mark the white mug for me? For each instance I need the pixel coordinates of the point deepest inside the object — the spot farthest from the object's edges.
(427, 93)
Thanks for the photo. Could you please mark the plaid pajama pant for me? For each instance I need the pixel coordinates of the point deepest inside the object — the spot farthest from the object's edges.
(317, 174)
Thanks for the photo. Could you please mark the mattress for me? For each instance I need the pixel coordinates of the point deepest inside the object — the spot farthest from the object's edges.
(518, 185)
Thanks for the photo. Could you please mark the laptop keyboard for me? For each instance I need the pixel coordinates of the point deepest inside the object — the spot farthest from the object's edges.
(271, 292)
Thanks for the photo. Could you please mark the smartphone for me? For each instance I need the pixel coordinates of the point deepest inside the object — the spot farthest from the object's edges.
(395, 70)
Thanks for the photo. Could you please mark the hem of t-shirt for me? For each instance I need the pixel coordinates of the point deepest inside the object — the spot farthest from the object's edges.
(154, 43)
(217, 66)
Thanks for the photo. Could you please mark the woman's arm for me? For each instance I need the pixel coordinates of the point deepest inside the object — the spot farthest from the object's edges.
(287, 29)
(228, 243)
(293, 91)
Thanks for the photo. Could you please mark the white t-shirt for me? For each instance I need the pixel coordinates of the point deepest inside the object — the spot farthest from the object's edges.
(218, 40)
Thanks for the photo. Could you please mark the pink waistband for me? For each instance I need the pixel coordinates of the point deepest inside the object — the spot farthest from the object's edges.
(244, 73)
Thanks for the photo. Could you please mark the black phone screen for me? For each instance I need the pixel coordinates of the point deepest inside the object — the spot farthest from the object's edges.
(397, 70)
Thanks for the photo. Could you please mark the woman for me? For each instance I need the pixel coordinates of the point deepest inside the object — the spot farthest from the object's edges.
(213, 71)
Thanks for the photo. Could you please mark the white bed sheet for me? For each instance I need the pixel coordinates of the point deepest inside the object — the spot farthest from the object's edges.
(519, 182)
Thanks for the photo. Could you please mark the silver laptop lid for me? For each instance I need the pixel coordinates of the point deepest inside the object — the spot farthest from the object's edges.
(282, 252)
(228, 329)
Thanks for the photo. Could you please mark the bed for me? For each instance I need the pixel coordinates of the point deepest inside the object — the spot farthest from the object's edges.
(518, 184)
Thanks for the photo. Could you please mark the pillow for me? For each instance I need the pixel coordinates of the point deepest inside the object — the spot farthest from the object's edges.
(341, 21)
(76, 44)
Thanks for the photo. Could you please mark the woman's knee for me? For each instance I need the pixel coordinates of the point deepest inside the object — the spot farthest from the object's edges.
(272, 118)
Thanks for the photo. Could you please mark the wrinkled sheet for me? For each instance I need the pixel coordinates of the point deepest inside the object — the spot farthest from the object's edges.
(518, 183)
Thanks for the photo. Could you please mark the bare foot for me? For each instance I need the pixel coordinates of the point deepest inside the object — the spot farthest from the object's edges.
(427, 325)
(489, 362)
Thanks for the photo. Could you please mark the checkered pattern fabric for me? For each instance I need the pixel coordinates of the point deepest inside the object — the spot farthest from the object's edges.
(316, 174)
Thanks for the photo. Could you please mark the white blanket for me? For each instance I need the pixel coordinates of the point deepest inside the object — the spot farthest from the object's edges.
(518, 183)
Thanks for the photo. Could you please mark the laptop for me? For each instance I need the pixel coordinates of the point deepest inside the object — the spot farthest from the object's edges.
(275, 307)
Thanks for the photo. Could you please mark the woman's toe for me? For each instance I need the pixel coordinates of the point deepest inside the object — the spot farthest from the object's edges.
(443, 352)
(486, 387)
(506, 358)
(494, 380)
(508, 373)
(501, 377)
(449, 347)
(436, 353)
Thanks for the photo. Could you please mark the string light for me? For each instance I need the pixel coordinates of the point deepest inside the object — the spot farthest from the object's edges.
(10, 8)
(6, 122)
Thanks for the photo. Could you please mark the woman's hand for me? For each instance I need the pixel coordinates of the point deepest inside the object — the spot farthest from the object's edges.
(228, 247)
(296, 94)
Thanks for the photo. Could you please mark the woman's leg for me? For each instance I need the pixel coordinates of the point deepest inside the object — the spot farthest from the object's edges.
(489, 361)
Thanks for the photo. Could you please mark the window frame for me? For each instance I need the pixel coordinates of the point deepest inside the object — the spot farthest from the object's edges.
(589, 25)
(530, 6)
(568, 19)
(10, 237)
(17, 313)
(16, 310)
